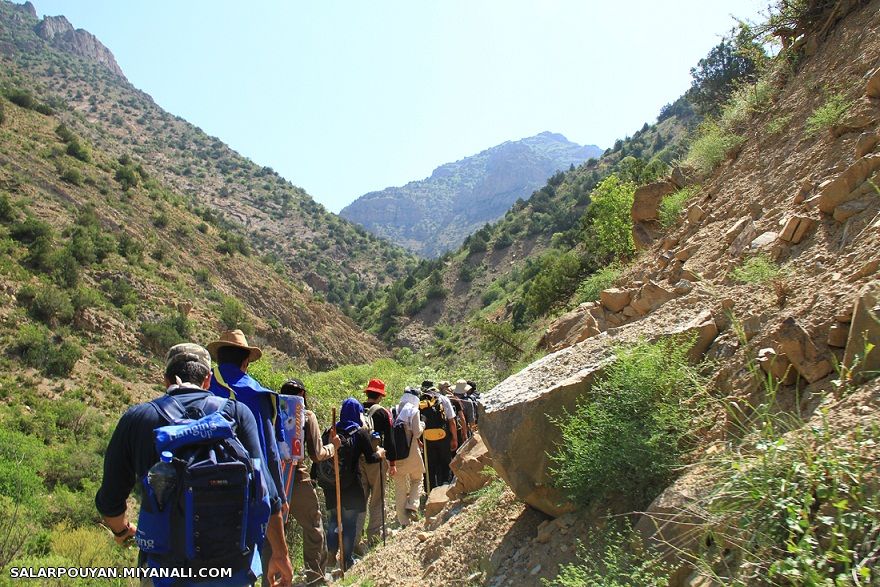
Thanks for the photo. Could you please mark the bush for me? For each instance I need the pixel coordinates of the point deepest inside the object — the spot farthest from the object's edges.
(233, 315)
(166, 332)
(47, 304)
(673, 205)
(85, 297)
(7, 212)
(120, 292)
(29, 230)
(758, 269)
(555, 281)
(127, 177)
(617, 557)
(72, 175)
(626, 439)
(805, 502)
(828, 114)
(590, 288)
(711, 147)
(78, 151)
(610, 213)
(492, 293)
(37, 348)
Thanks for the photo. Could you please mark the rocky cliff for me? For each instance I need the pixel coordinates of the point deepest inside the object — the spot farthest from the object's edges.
(58, 31)
(435, 214)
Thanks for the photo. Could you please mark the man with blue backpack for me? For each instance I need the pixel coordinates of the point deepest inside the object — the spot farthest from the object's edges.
(205, 504)
(233, 355)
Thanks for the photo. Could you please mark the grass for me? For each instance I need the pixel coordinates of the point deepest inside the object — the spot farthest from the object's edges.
(758, 269)
(711, 147)
(673, 205)
(625, 441)
(778, 124)
(828, 114)
(590, 288)
(614, 557)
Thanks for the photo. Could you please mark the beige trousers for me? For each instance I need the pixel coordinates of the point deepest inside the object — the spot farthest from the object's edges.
(408, 484)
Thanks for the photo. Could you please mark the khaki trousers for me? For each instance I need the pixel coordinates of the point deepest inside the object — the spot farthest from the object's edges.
(304, 508)
(372, 478)
(408, 484)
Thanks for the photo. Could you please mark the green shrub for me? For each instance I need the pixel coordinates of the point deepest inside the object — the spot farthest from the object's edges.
(554, 282)
(711, 147)
(805, 504)
(609, 233)
(7, 212)
(127, 177)
(757, 269)
(162, 334)
(29, 230)
(65, 268)
(233, 315)
(492, 293)
(85, 297)
(78, 151)
(37, 348)
(828, 114)
(626, 439)
(2, 113)
(72, 175)
(673, 205)
(776, 125)
(22, 98)
(47, 304)
(590, 288)
(120, 292)
(130, 248)
(64, 133)
(614, 557)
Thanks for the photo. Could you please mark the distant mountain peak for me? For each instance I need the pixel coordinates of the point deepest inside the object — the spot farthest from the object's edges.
(58, 32)
(435, 214)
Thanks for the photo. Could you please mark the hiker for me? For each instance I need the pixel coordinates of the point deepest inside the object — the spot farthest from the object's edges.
(233, 356)
(132, 454)
(407, 472)
(374, 476)
(304, 504)
(440, 436)
(355, 441)
(467, 408)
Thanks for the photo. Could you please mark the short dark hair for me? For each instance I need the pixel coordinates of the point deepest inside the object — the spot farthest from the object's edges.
(293, 387)
(188, 372)
(232, 354)
(374, 396)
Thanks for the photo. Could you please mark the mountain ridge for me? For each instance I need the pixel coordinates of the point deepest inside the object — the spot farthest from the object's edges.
(435, 214)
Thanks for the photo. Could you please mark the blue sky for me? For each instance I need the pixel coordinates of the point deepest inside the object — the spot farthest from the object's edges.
(347, 97)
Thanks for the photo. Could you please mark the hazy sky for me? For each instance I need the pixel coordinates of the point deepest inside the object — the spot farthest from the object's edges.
(346, 97)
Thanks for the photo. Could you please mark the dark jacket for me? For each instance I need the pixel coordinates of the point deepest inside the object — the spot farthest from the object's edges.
(353, 497)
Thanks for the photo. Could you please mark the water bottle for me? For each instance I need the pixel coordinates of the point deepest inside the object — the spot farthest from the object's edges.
(162, 477)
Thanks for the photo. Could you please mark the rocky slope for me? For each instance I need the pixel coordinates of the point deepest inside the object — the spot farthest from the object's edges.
(807, 201)
(434, 215)
(71, 70)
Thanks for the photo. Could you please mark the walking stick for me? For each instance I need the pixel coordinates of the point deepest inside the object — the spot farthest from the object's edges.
(338, 500)
(382, 492)
(427, 472)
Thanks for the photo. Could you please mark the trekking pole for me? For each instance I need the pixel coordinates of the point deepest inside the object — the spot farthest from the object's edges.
(382, 493)
(427, 471)
(338, 500)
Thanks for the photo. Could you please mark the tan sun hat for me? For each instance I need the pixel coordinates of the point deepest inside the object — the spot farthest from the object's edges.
(237, 339)
(461, 387)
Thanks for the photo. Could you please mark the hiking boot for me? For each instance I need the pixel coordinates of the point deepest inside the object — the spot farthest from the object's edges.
(413, 515)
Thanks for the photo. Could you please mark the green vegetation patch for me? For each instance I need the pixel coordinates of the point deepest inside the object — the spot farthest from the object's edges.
(672, 206)
(626, 440)
(758, 269)
(590, 288)
(711, 147)
(828, 114)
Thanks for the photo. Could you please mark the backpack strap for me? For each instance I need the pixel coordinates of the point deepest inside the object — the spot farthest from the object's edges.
(169, 408)
(214, 403)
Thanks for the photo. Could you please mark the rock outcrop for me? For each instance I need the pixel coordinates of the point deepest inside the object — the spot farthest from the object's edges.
(469, 467)
(58, 32)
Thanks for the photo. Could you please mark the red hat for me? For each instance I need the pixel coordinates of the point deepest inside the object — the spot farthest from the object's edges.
(376, 385)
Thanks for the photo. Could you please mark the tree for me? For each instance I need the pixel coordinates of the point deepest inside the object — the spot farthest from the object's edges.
(609, 229)
(729, 63)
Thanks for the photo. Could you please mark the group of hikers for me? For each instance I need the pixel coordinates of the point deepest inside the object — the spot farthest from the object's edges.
(220, 466)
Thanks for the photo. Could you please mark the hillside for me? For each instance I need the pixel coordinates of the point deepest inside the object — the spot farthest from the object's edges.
(709, 414)
(74, 72)
(434, 215)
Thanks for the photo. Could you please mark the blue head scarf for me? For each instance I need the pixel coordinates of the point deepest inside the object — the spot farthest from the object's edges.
(350, 416)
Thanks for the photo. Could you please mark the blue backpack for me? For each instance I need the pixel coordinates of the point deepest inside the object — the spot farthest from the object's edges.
(219, 507)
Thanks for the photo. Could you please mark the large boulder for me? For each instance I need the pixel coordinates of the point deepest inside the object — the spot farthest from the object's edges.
(843, 187)
(811, 362)
(469, 467)
(437, 500)
(585, 321)
(650, 297)
(646, 211)
(517, 419)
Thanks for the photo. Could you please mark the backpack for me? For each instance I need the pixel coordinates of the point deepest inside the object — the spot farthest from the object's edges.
(219, 506)
(431, 409)
(397, 443)
(367, 418)
(324, 472)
